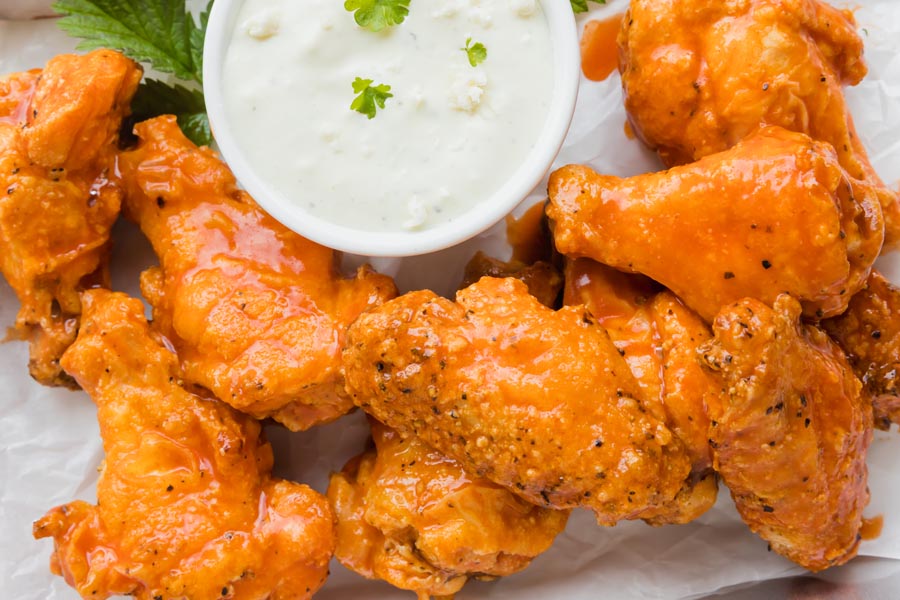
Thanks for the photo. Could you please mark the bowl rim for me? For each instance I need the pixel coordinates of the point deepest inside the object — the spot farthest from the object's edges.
(483, 214)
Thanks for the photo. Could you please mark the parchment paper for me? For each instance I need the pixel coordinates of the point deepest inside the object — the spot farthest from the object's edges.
(50, 447)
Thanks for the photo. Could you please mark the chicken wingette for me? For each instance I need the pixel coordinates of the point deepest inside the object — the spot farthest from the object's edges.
(536, 400)
(186, 506)
(59, 130)
(414, 518)
(790, 438)
(658, 337)
(256, 312)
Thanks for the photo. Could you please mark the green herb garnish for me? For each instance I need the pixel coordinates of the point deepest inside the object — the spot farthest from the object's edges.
(581, 6)
(159, 33)
(156, 98)
(376, 15)
(369, 96)
(476, 52)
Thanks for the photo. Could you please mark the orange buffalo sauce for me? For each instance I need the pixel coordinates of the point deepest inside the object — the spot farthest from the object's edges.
(871, 528)
(527, 236)
(599, 53)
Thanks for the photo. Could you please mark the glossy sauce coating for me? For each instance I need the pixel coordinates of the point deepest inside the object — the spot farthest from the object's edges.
(186, 507)
(256, 312)
(790, 438)
(658, 337)
(869, 332)
(536, 400)
(699, 77)
(58, 133)
(775, 213)
(413, 517)
(16, 92)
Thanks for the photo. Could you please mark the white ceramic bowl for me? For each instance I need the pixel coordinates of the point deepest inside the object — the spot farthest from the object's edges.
(485, 213)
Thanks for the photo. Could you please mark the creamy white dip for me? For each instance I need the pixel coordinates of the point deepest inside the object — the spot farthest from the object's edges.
(449, 137)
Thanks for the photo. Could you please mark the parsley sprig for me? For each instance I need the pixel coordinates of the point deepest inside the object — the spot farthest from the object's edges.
(476, 52)
(581, 6)
(160, 33)
(376, 15)
(369, 96)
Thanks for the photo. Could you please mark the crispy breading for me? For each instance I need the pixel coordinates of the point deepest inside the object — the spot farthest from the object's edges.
(869, 332)
(414, 518)
(58, 134)
(699, 77)
(658, 337)
(186, 504)
(536, 400)
(774, 214)
(791, 437)
(256, 312)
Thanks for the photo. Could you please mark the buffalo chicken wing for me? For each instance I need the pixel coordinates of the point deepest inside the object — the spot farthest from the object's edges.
(536, 400)
(791, 434)
(416, 519)
(658, 337)
(701, 76)
(186, 505)
(58, 134)
(256, 312)
(774, 214)
(869, 332)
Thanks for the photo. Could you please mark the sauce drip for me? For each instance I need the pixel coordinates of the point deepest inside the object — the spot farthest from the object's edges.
(871, 528)
(599, 53)
(528, 237)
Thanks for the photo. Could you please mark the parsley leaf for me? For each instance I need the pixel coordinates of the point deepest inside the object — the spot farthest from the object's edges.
(197, 36)
(158, 32)
(155, 98)
(477, 53)
(581, 6)
(369, 96)
(376, 15)
(161, 33)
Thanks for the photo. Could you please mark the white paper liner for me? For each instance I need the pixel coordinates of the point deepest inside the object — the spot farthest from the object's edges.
(50, 446)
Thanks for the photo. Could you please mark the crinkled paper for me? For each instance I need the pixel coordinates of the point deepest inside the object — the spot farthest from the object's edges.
(50, 448)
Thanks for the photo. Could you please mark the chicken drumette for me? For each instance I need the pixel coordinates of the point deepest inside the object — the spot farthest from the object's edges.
(186, 505)
(256, 312)
(700, 76)
(536, 400)
(790, 435)
(413, 517)
(774, 214)
(58, 133)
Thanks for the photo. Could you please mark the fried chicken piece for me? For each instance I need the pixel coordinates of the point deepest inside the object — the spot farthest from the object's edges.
(544, 281)
(256, 312)
(774, 214)
(869, 332)
(658, 337)
(186, 504)
(414, 518)
(791, 436)
(58, 135)
(532, 258)
(536, 400)
(700, 76)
